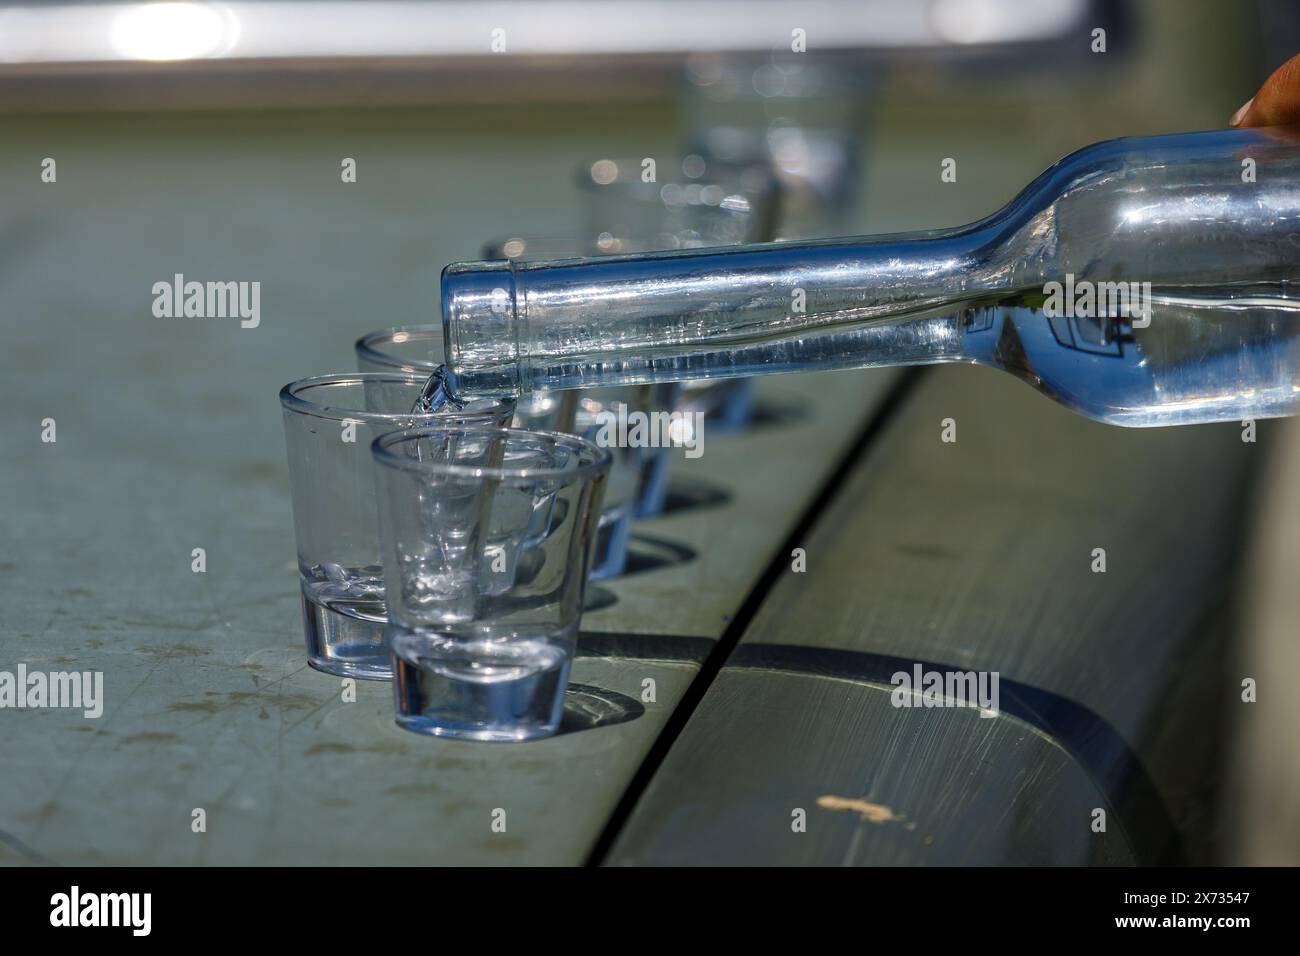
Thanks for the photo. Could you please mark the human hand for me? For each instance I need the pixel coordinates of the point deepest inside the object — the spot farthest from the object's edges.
(1278, 101)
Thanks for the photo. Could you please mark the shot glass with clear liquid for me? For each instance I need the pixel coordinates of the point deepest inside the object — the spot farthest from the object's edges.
(488, 534)
(638, 481)
(329, 423)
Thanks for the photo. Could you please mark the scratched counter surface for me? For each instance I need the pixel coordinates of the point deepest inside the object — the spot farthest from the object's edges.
(1089, 569)
(167, 438)
(208, 703)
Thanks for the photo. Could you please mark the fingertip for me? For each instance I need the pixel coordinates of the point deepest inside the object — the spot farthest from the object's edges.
(1242, 110)
(1277, 103)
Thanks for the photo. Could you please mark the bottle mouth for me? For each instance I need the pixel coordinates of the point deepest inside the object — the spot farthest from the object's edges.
(481, 326)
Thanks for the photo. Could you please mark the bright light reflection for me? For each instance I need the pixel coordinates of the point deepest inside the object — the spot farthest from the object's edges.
(172, 31)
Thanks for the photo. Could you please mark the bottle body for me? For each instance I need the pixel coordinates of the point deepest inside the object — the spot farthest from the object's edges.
(1140, 282)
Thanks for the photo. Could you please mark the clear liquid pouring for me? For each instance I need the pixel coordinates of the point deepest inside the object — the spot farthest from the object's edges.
(437, 394)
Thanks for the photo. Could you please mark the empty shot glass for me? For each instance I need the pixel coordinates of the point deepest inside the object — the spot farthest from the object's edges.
(487, 534)
(329, 422)
(803, 116)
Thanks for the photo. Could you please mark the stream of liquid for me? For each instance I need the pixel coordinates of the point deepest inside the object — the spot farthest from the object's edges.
(437, 394)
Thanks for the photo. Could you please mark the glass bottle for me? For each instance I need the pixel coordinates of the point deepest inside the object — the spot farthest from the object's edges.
(1145, 281)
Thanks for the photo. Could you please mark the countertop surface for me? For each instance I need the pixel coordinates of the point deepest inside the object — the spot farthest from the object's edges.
(726, 707)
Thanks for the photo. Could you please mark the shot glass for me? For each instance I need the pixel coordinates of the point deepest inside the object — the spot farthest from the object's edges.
(687, 206)
(638, 482)
(488, 534)
(329, 423)
(803, 116)
(630, 468)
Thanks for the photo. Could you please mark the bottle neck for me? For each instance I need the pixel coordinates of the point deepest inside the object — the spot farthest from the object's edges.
(714, 313)
(1184, 216)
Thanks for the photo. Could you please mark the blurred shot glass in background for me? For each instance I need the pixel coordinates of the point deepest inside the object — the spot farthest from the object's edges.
(329, 423)
(488, 534)
(803, 116)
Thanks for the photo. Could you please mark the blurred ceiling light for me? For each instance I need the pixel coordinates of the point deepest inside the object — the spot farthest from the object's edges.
(173, 31)
(66, 32)
(1003, 21)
